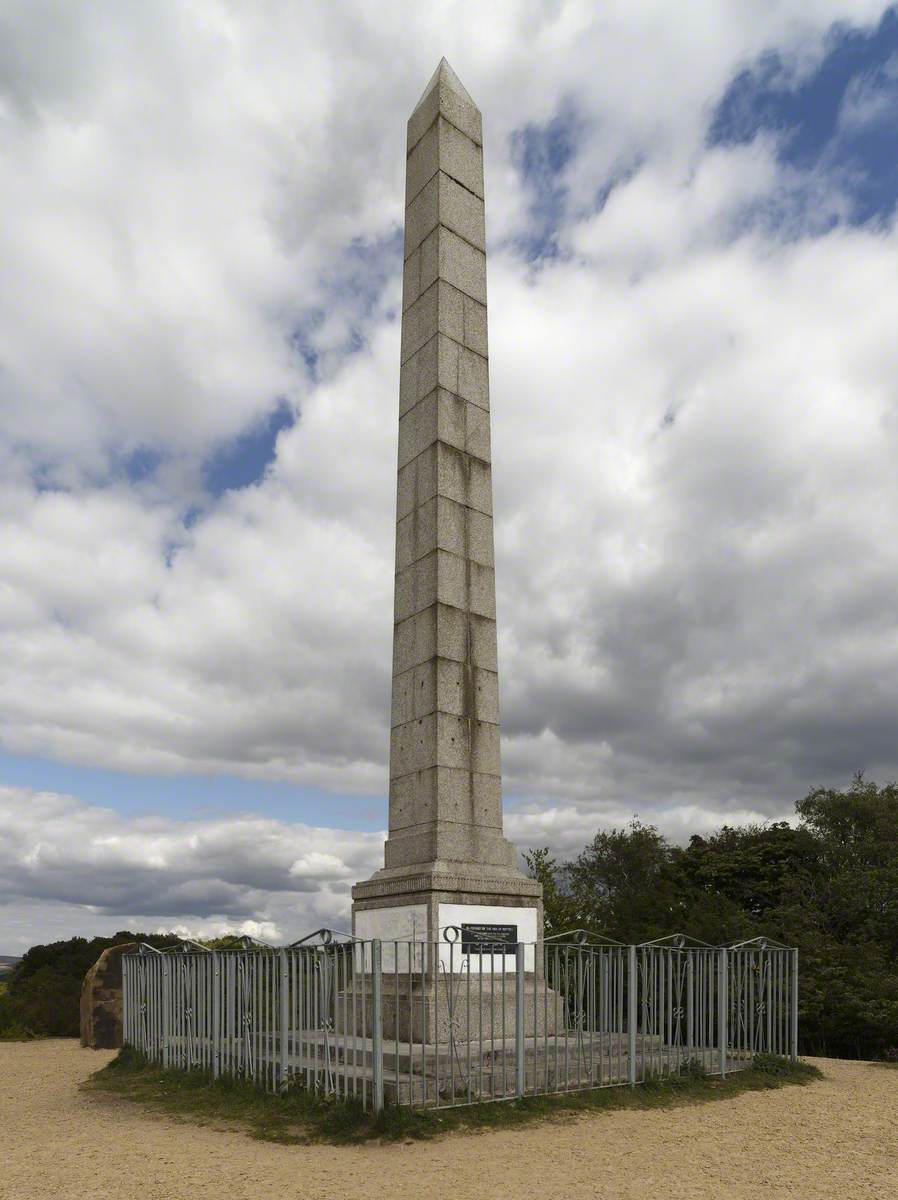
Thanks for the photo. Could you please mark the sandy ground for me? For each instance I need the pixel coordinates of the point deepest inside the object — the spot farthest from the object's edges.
(836, 1138)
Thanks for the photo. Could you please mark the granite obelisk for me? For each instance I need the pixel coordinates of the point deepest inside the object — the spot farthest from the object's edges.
(446, 859)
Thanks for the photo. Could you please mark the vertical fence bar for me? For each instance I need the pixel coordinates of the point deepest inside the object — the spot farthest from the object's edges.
(690, 1004)
(145, 1029)
(722, 965)
(202, 1015)
(631, 1014)
(377, 1025)
(127, 1002)
(138, 997)
(432, 967)
(357, 1059)
(504, 1001)
(284, 1022)
(395, 1002)
(470, 959)
(166, 1011)
(173, 1040)
(560, 984)
(781, 985)
(211, 989)
(215, 972)
(794, 998)
(519, 1019)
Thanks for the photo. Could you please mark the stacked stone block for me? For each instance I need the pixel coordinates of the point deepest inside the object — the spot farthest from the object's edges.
(445, 843)
(445, 774)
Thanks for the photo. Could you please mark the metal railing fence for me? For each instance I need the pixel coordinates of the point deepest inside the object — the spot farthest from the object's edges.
(432, 1024)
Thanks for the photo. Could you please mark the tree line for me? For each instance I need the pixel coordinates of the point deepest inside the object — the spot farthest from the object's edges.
(827, 884)
(41, 995)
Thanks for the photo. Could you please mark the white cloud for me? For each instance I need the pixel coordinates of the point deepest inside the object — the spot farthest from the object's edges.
(869, 98)
(694, 426)
(265, 931)
(97, 869)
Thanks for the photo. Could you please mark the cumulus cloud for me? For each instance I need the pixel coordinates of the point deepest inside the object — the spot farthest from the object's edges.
(694, 426)
(244, 873)
(69, 867)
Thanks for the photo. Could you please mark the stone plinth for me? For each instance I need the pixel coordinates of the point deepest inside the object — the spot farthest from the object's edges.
(470, 1009)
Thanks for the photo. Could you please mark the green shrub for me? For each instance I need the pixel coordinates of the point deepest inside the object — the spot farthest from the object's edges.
(826, 885)
(693, 1068)
(41, 995)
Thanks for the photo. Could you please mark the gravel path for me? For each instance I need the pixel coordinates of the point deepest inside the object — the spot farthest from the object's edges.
(836, 1138)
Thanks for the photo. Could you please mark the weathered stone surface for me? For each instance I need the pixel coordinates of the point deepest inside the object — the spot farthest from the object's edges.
(443, 470)
(441, 685)
(444, 255)
(442, 308)
(101, 1000)
(444, 524)
(446, 842)
(442, 364)
(444, 147)
(463, 796)
(446, 96)
(444, 201)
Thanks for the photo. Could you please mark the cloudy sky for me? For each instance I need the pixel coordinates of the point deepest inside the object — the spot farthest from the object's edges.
(692, 273)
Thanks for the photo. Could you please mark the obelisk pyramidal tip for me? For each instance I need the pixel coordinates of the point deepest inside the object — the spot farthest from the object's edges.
(446, 851)
(446, 78)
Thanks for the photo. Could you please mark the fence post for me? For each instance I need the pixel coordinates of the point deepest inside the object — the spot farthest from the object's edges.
(284, 1016)
(127, 1006)
(794, 998)
(216, 1015)
(690, 1004)
(519, 1017)
(166, 1012)
(632, 1013)
(722, 1005)
(377, 1025)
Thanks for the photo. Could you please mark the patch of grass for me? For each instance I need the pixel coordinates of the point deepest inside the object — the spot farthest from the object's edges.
(16, 1032)
(300, 1117)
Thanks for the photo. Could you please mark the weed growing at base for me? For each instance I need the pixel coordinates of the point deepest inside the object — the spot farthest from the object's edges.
(300, 1117)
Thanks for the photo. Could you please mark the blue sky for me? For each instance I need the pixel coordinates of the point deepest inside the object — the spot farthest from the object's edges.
(842, 119)
(197, 544)
(186, 797)
(242, 461)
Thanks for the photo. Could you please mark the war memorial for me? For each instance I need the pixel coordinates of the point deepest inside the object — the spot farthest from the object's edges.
(446, 860)
(446, 990)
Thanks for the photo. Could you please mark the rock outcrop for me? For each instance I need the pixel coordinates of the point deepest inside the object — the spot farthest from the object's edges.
(101, 1000)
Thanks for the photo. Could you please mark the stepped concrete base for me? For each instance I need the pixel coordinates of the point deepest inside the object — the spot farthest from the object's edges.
(439, 1074)
(481, 1007)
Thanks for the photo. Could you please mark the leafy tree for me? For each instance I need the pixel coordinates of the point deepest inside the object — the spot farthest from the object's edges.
(43, 992)
(828, 885)
(623, 884)
(559, 909)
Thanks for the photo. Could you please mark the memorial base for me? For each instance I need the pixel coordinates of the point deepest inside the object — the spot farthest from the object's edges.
(459, 1007)
(437, 904)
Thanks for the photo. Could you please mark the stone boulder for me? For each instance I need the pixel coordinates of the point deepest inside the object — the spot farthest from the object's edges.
(101, 1000)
